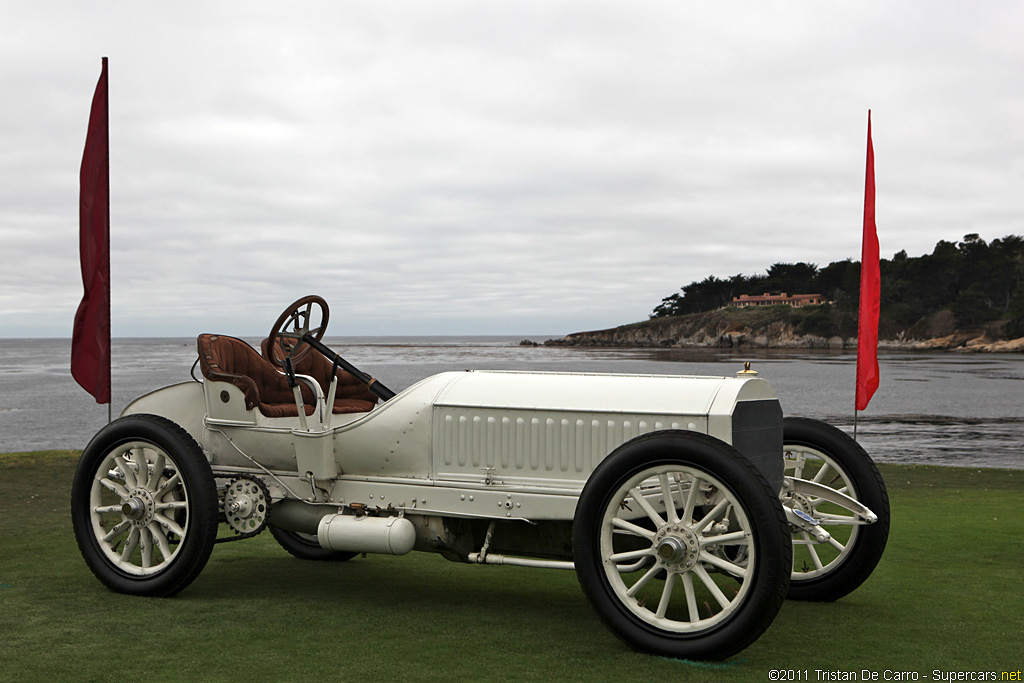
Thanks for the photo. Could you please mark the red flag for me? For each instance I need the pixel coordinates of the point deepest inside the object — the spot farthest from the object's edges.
(870, 291)
(90, 342)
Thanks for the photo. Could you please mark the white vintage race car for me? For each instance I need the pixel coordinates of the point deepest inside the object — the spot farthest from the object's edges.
(688, 507)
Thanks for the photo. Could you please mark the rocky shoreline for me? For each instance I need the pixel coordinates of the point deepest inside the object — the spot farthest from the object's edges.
(692, 332)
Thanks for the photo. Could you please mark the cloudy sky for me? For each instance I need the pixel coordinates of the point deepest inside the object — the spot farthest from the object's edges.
(489, 167)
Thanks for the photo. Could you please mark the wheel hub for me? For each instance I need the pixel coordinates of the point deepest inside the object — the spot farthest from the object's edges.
(139, 507)
(677, 547)
(798, 501)
(241, 506)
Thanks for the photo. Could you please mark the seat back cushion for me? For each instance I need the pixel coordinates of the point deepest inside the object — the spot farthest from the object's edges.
(227, 359)
(352, 396)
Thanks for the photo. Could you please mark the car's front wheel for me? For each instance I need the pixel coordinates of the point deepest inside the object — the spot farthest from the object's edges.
(681, 546)
(818, 452)
(144, 506)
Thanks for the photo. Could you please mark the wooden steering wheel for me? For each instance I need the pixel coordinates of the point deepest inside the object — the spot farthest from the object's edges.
(298, 320)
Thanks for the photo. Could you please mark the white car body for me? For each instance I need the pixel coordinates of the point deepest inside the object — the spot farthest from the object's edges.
(482, 444)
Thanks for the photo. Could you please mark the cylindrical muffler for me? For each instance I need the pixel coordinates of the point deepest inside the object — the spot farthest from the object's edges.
(349, 533)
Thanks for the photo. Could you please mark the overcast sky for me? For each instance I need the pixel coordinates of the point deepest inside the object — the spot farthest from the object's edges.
(489, 167)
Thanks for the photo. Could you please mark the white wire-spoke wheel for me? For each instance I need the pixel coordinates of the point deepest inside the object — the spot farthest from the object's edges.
(819, 452)
(681, 546)
(144, 506)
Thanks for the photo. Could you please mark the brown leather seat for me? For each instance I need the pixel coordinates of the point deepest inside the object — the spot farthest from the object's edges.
(227, 359)
(351, 396)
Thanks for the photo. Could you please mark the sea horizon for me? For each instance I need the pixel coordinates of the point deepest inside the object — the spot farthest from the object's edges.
(931, 407)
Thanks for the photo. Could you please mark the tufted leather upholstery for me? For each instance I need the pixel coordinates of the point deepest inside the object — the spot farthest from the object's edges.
(227, 359)
(352, 396)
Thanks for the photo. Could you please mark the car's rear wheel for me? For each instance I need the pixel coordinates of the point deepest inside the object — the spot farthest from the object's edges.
(144, 506)
(819, 452)
(306, 547)
(681, 546)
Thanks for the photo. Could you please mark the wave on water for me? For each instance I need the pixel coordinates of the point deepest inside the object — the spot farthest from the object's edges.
(941, 440)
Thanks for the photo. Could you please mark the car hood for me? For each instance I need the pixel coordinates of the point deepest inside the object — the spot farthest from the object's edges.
(606, 393)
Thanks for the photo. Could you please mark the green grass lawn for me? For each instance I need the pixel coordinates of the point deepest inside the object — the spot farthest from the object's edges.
(947, 596)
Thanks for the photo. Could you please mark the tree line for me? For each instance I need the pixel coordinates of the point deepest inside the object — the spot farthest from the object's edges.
(978, 283)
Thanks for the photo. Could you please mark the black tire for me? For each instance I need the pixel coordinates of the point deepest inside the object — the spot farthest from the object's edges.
(305, 546)
(849, 466)
(172, 522)
(752, 571)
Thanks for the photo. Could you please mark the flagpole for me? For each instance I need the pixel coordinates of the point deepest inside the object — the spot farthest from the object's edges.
(107, 151)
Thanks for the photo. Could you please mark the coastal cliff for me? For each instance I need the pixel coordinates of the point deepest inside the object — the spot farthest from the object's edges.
(785, 328)
(966, 296)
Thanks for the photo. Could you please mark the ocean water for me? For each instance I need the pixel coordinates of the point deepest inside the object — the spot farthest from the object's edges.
(931, 408)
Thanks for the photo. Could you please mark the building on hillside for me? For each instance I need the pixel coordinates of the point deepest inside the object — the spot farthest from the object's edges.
(768, 299)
